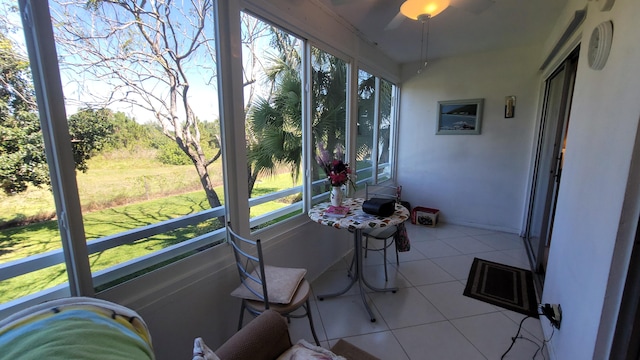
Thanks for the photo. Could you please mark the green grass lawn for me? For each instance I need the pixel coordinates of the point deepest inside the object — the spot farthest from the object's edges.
(103, 186)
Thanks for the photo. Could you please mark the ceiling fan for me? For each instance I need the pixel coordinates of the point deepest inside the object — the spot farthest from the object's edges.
(424, 9)
(428, 8)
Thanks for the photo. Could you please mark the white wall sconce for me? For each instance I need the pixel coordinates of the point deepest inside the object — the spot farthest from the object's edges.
(509, 106)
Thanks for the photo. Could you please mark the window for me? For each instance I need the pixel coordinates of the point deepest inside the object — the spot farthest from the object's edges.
(138, 180)
(144, 137)
(386, 129)
(273, 126)
(376, 124)
(328, 111)
(148, 73)
(28, 225)
(366, 128)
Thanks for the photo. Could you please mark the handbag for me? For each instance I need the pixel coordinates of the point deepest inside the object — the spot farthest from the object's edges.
(402, 238)
(379, 206)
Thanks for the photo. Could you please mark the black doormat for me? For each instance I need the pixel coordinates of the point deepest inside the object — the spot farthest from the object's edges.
(502, 285)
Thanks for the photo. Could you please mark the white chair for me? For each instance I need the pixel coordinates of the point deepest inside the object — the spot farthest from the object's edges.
(385, 234)
(264, 287)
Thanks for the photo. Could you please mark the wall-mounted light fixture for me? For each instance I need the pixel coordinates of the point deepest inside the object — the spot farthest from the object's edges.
(509, 106)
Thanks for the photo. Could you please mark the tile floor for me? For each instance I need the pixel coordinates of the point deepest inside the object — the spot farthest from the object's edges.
(428, 318)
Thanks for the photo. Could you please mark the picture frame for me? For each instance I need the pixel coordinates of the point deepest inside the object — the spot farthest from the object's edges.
(460, 117)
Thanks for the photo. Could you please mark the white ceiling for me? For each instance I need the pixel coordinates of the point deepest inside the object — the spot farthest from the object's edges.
(465, 26)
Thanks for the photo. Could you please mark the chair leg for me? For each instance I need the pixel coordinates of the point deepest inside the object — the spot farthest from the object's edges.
(384, 258)
(313, 329)
(397, 257)
(241, 316)
(366, 246)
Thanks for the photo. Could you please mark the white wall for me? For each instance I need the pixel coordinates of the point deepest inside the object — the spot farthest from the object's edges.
(588, 232)
(477, 180)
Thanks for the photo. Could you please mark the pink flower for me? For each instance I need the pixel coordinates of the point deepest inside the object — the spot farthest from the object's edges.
(337, 171)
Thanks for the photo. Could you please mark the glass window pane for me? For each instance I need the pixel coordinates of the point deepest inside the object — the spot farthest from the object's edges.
(142, 108)
(273, 125)
(28, 228)
(365, 128)
(328, 107)
(386, 127)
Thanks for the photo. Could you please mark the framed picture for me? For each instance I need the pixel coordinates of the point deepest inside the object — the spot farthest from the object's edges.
(459, 117)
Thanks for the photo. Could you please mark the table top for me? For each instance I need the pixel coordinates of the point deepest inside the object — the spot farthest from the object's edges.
(356, 218)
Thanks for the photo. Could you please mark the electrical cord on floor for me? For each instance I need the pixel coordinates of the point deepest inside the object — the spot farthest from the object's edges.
(513, 339)
(545, 341)
(518, 336)
(534, 343)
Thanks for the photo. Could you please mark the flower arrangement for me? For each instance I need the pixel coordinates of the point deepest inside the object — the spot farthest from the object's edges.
(338, 172)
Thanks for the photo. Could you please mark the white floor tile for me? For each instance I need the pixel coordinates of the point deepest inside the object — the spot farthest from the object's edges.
(407, 307)
(435, 249)
(437, 341)
(423, 272)
(374, 276)
(449, 231)
(492, 333)
(504, 257)
(346, 316)
(411, 255)
(468, 245)
(300, 329)
(500, 242)
(428, 318)
(532, 326)
(383, 344)
(448, 298)
(331, 282)
(456, 266)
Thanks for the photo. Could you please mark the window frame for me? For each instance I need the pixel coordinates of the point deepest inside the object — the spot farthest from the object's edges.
(75, 250)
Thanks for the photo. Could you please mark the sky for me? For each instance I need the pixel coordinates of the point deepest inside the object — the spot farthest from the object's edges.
(202, 96)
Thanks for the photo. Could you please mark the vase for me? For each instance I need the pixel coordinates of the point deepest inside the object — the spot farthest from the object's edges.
(336, 195)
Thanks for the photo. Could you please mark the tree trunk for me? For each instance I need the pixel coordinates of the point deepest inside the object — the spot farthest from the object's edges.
(253, 176)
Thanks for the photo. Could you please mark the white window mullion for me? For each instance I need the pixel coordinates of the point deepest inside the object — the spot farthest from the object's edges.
(376, 132)
(229, 68)
(38, 33)
(308, 154)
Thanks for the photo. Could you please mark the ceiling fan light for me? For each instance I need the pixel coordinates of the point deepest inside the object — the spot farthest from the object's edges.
(414, 8)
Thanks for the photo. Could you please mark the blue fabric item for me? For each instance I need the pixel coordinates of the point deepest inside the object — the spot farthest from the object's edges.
(75, 334)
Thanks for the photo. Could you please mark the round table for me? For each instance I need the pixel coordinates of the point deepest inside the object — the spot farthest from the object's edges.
(356, 220)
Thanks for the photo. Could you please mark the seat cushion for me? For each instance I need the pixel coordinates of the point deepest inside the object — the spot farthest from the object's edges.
(282, 284)
(299, 298)
(305, 351)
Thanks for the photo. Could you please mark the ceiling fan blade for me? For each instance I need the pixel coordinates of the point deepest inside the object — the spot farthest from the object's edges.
(473, 6)
(395, 22)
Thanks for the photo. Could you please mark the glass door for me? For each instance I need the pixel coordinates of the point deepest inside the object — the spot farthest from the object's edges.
(549, 161)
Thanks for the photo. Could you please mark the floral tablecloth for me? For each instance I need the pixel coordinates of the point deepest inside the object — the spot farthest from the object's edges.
(356, 218)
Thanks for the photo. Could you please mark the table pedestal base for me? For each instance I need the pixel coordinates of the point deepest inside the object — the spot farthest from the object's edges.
(358, 276)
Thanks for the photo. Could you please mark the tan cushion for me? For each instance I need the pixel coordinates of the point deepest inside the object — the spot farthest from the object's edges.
(305, 351)
(281, 284)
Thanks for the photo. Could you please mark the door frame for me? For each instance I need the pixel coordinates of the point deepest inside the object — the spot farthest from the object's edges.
(558, 130)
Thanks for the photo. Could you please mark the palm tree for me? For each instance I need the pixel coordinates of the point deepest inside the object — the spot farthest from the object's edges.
(274, 123)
